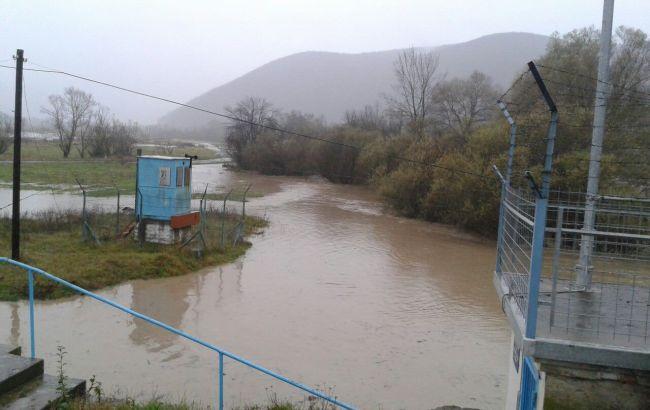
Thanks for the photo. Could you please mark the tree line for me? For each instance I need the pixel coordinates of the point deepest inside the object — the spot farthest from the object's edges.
(83, 124)
(455, 124)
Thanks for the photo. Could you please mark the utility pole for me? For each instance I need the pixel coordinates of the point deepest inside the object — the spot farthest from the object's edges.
(584, 268)
(18, 114)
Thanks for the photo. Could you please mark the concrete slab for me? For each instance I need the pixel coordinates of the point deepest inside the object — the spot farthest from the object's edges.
(9, 349)
(41, 394)
(17, 370)
(606, 328)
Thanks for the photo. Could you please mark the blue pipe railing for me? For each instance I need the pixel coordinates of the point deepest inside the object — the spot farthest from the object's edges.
(221, 352)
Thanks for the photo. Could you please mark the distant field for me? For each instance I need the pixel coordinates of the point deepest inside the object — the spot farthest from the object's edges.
(55, 171)
(49, 175)
(39, 150)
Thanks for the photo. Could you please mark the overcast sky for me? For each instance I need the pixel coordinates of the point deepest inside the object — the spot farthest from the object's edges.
(180, 49)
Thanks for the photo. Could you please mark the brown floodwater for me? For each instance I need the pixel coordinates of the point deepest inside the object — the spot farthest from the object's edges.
(383, 311)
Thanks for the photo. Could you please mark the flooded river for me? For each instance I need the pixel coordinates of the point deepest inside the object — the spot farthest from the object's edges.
(385, 312)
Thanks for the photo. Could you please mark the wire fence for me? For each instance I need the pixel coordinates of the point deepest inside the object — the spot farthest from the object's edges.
(591, 280)
(614, 306)
(614, 309)
(516, 244)
(102, 215)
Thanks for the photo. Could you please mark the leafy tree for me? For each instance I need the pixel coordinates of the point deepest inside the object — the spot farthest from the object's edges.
(462, 105)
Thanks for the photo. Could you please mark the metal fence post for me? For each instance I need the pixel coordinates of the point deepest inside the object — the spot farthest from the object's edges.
(541, 206)
(117, 219)
(243, 209)
(556, 260)
(505, 184)
(30, 282)
(141, 227)
(223, 220)
(84, 217)
(220, 381)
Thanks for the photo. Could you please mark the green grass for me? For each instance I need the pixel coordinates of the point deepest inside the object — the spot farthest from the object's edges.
(39, 150)
(53, 242)
(91, 174)
(60, 174)
(273, 403)
(157, 404)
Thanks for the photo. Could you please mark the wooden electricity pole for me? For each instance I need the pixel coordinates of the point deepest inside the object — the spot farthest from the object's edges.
(18, 114)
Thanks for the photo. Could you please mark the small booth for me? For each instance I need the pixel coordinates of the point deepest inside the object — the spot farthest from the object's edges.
(163, 199)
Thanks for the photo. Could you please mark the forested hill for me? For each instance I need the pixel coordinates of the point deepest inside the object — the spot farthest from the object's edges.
(328, 84)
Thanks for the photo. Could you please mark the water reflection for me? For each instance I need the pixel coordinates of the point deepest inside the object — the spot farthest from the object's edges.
(165, 303)
(15, 325)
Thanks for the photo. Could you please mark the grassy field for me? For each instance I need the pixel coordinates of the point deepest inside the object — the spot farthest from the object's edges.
(40, 150)
(56, 172)
(53, 242)
(61, 175)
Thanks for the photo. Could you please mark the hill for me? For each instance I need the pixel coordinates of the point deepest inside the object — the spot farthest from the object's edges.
(328, 84)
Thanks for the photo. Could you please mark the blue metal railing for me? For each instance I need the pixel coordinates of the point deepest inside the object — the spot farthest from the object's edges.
(221, 352)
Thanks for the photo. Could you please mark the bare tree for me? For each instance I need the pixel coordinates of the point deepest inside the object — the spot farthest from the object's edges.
(123, 137)
(250, 116)
(6, 131)
(71, 114)
(373, 118)
(99, 136)
(415, 73)
(166, 147)
(460, 105)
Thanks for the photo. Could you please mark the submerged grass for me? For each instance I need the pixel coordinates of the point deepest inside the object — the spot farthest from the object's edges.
(53, 242)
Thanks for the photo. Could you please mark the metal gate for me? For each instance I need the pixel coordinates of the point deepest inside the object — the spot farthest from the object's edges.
(529, 385)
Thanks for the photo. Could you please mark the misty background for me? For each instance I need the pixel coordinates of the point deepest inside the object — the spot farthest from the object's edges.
(185, 50)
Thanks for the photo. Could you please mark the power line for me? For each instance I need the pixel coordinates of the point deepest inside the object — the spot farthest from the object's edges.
(514, 84)
(592, 78)
(21, 199)
(232, 118)
(31, 127)
(143, 94)
(593, 90)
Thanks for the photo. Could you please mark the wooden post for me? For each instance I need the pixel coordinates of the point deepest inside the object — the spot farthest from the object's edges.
(18, 114)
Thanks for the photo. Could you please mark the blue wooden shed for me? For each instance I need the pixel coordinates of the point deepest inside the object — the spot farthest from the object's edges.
(163, 187)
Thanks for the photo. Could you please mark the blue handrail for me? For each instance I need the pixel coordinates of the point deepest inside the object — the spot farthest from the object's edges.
(30, 279)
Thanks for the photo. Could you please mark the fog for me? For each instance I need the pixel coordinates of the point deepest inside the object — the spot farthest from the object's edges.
(179, 49)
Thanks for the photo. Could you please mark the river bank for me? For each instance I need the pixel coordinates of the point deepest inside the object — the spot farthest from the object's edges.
(52, 241)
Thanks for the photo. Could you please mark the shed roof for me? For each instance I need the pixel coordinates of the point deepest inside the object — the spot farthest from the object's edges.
(163, 157)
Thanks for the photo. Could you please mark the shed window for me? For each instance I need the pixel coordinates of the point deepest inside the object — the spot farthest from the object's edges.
(179, 176)
(188, 176)
(164, 176)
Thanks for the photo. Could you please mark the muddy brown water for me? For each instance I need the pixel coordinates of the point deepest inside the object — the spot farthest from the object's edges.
(384, 312)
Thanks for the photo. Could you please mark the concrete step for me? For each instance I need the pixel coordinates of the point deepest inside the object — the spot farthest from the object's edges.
(17, 370)
(41, 393)
(9, 349)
